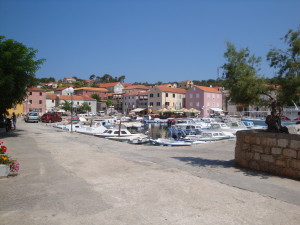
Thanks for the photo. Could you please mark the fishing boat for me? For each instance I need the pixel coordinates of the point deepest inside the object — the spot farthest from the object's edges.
(114, 132)
(210, 136)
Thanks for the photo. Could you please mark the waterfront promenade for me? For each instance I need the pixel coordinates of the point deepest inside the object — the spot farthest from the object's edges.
(69, 178)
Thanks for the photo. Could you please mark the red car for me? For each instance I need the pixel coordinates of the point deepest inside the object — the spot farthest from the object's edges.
(51, 118)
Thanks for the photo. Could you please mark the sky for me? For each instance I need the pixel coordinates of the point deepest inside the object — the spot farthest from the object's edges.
(146, 40)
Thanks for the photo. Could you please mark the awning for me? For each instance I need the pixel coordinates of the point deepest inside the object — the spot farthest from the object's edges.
(138, 110)
(216, 109)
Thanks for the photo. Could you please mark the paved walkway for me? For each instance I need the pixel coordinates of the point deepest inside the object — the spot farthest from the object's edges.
(75, 179)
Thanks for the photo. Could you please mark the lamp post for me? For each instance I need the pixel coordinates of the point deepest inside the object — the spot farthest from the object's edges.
(70, 91)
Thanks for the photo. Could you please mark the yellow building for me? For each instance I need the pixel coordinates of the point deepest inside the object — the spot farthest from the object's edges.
(18, 109)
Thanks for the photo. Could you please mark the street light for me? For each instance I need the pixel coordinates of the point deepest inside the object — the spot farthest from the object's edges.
(70, 91)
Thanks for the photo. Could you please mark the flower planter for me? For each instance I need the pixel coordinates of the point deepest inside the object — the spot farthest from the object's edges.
(4, 170)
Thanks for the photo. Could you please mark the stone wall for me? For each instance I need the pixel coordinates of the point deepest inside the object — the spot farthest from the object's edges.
(269, 152)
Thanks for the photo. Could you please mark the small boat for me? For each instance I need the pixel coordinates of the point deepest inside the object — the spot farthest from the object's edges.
(114, 132)
(168, 142)
(210, 136)
(91, 130)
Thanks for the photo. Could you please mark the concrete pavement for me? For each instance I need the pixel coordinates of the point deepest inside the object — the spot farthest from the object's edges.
(75, 179)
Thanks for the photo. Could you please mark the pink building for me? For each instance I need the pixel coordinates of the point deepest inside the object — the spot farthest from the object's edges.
(206, 99)
(35, 101)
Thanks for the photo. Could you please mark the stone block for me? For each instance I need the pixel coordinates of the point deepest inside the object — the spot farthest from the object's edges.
(289, 172)
(283, 143)
(267, 158)
(257, 140)
(289, 153)
(295, 144)
(257, 148)
(298, 154)
(239, 155)
(271, 142)
(280, 163)
(256, 156)
(267, 150)
(276, 151)
(246, 147)
(247, 139)
(254, 165)
(242, 163)
(295, 164)
(249, 155)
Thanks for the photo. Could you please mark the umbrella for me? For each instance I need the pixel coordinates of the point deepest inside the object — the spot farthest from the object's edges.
(162, 110)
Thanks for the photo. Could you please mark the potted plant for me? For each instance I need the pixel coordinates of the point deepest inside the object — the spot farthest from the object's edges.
(7, 164)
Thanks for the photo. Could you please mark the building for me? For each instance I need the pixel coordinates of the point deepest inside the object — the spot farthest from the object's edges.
(61, 90)
(52, 102)
(135, 100)
(206, 99)
(133, 88)
(117, 100)
(79, 100)
(35, 101)
(166, 97)
(17, 109)
(186, 84)
(88, 91)
(115, 87)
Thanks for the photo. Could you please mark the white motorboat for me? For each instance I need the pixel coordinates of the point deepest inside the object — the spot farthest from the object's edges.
(114, 132)
(74, 127)
(168, 142)
(91, 130)
(210, 136)
(133, 139)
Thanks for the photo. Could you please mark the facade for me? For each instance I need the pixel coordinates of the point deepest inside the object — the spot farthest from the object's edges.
(35, 101)
(166, 97)
(206, 99)
(51, 102)
(17, 109)
(117, 100)
(79, 100)
(91, 90)
(133, 88)
(134, 100)
(186, 84)
(61, 90)
(115, 87)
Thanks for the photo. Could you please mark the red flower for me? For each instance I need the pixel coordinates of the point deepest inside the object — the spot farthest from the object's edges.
(3, 148)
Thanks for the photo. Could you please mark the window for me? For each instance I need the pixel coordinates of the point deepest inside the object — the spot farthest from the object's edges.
(151, 103)
(197, 96)
(151, 95)
(191, 104)
(40, 101)
(89, 103)
(173, 95)
(77, 103)
(167, 94)
(167, 103)
(52, 101)
(30, 93)
(213, 104)
(41, 93)
(30, 101)
(157, 94)
(157, 103)
(191, 95)
(197, 104)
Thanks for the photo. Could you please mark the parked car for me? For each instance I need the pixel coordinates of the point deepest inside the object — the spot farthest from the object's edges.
(32, 117)
(51, 117)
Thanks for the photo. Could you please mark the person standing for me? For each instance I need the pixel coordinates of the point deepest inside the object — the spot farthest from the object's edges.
(14, 120)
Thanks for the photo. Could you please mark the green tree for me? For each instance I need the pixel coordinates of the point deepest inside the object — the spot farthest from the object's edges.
(80, 83)
(287, 63)
(92, 77)
(108, 103)
(66, 105)
(96, 96)
(18, 65)
(84, 107)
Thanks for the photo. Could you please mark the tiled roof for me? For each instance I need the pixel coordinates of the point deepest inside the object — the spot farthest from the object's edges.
(185, 81)
(92, 89)
(69, 78)
(35, 89)
(137, 87)
(169, 89)
(104, 85)
(126, 85)
(135, 93)
(208, 89)
(76, 97)
(51, 96)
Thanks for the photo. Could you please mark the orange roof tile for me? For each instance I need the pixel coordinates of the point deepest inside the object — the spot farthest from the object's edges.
(169, 89)
(35, 89)
(134, 93)
(208, 89)
(76, 97)
(137, 87)
(104, 85)
(51, 96)
(92, 89)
